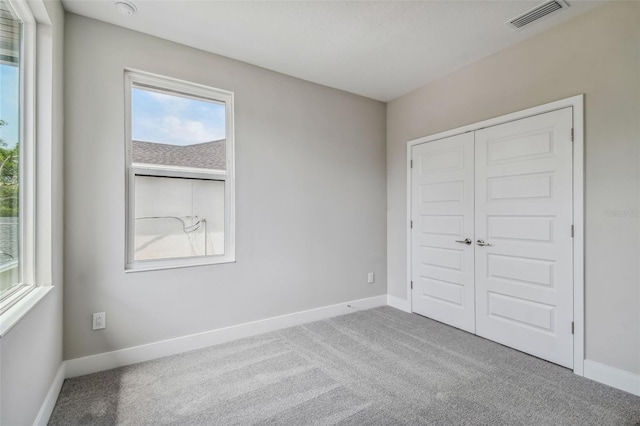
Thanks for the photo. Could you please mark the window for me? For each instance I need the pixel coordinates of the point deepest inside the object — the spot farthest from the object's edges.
(180, 206)
(17, 205)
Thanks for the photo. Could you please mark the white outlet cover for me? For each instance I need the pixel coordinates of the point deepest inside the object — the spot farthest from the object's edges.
(99, 320)
(371, 278)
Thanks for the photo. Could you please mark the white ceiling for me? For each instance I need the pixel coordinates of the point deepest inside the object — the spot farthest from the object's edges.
(378, 49)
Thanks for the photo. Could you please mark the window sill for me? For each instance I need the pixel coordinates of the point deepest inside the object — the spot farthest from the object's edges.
(22, 307)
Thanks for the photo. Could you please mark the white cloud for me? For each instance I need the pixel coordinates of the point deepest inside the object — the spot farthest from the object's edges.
(186, 132)
(170, 103)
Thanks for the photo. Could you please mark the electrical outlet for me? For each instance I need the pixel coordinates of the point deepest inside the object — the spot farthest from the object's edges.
(371, 278)
(99, 320)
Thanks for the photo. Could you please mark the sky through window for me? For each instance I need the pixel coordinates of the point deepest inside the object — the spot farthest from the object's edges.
(175, 120)
(9, 101)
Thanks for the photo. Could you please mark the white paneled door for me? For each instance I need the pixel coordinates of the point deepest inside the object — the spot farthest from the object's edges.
(442, 231)
(524, 275)
(508, 190)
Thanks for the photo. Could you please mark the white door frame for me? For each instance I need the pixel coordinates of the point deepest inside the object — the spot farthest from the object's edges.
(577, 103)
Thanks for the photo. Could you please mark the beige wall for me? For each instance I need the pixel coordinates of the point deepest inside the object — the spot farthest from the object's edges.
(310, 197)
(597, 54)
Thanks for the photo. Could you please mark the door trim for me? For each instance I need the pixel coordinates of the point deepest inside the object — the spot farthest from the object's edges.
(577, 105)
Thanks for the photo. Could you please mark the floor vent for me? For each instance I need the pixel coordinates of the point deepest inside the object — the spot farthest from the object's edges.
(537, 13)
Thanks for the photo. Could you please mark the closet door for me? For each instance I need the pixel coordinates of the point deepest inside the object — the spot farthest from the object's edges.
(442, 217)
(523, 241)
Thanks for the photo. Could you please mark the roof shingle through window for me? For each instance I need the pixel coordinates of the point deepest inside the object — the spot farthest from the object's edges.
(206, 155)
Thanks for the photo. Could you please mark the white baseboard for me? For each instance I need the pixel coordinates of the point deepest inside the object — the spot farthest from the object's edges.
(108, 360)
(396, 302)
(52, 396)
(612, 376)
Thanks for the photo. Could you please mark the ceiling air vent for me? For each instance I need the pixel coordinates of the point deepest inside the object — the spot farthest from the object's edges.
(545, 9)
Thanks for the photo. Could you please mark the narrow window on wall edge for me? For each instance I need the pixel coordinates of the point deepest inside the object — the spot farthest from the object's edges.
(17, 153)
(180, 173)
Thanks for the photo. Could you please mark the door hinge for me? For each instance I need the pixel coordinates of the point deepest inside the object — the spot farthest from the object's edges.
(571, 231)
(571, 135)
(572, 327)
(411, 224)
(411, 285)
(411, 163)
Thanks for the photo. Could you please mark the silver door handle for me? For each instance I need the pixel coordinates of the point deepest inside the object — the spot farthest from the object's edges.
(466, 241)
(481, 243)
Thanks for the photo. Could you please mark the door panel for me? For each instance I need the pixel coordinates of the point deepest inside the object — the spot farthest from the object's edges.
(442, 212)
(523, 208)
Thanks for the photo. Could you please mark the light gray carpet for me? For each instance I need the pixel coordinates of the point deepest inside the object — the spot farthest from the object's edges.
(374, 367)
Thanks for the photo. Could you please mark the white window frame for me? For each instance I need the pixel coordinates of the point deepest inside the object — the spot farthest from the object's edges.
(35, 187)
(26, 179)
(167, 84)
